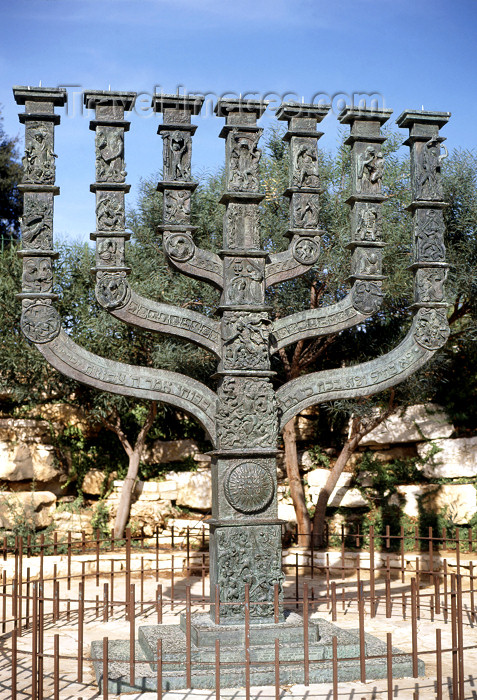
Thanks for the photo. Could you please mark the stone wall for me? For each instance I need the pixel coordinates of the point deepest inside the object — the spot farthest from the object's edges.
(28, 461)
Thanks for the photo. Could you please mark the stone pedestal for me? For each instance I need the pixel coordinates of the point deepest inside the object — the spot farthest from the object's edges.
(233, 655)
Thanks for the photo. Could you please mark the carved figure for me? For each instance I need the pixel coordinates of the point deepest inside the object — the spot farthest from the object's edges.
(367, 228)
(244, 159)
(429, 235)
(109, 213)
(306, 210)
(248, 557)
(306, 251)
(179, 247)
(39, 159)
(368, 262)
(367, 296)
(245, 285)
(246, 341)
(246, 410)
(369, 170)
(37, 224)
(176, 206)
(40, 322)
(430, 285)
(37, 275)
(177, 155)
(112, 289)
(305, 169)
(109, 155)
(432, 328)
(108, 251)
(428, 181)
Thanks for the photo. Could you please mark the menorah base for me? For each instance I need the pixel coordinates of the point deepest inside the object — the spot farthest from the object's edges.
(232, 656)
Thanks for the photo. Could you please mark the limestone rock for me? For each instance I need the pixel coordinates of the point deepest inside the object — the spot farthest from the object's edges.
(286, 512)
(401, 452)
(419, 422)
(93, 482)
(410, 495)
(63, 415)
(28, 461)
(163, 451)
(74, 522)
(148, 515)
(342, 496)
(456, 458)
(305, 424)
(35, 508)
(156, 490)
(459, 501)
(194, 489)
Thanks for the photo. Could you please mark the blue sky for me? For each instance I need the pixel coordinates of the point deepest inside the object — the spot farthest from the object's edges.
(412, 53)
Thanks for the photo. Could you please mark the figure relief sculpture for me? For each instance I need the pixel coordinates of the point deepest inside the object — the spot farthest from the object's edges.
(39, 159)
(37, 223)
(369, 170)
(37, 275)
(367, 229)
(177, 206)
(305, 170)
(429, 156)
(306, 210)
(246, 282)
(429, 236)
(244, 159)
(177, 156)
(109, 213)
(109, 155)
(244, 415)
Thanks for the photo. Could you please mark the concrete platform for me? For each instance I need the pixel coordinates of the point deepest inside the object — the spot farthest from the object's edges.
(232, 657)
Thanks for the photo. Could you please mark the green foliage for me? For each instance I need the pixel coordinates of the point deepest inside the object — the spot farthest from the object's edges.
(157, 472)
(10, 198)
(318, 457)
(100, 519)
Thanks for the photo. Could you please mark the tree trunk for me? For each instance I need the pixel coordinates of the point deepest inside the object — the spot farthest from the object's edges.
(296, 486)
(124, 507)
(134, 456)
(325, 493)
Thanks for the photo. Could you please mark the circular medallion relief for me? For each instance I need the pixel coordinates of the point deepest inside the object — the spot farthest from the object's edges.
(306, 250)
(179, 247)
(40, 323)
(249, 487)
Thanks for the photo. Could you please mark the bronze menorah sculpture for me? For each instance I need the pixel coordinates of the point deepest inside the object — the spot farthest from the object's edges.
(243, 419)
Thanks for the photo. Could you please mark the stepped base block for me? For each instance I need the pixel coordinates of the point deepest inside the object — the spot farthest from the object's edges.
(232, 656)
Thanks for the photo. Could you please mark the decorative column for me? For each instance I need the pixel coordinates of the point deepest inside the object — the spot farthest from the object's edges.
(304, 184)
(40, 321)
(367, 166)
(112, 289)
(429, 266)
(245, 544)
(177, 184)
